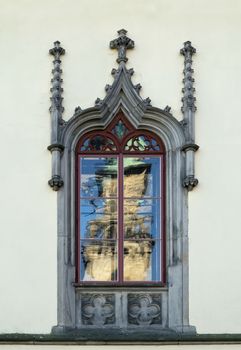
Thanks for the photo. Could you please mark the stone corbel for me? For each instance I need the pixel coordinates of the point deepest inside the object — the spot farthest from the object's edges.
(56, 110)
(188, 122)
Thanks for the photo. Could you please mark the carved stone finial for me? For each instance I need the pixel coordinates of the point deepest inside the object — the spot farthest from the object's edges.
(188, 100)
(122, 44)
(188, 48)
(56, 89)
(57, 50)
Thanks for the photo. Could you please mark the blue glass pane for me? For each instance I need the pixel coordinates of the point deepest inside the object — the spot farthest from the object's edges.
(98, 260)
(98, 218)
(98, 177)
(142, 219)
(142, 177)
(142, 260)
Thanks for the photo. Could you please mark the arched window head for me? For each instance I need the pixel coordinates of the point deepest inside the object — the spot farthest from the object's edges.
(120, 206)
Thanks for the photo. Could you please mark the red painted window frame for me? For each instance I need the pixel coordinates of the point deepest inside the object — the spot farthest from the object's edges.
(120, 153)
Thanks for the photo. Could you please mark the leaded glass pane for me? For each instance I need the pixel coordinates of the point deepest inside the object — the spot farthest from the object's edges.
(142, 177)
(98, 143)
(142, 143)
(98, 177)
(120, 129)
(141, 260)
(98, 218)
(98, 260)
(142, 218)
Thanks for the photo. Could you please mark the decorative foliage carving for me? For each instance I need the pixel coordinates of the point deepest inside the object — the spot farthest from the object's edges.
(98, 102)
(167, 109)
(56, 182)
(190, 182)
(144, 309)
(147, 102)
(138, 87)
(98, 309)
(142, 143)
(122, 44)
(78, 109)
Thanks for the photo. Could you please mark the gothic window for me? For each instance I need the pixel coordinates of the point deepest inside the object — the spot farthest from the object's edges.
(123, 169)
(120, 210)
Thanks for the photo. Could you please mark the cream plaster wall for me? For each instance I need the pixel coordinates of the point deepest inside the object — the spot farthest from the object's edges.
(28, 206)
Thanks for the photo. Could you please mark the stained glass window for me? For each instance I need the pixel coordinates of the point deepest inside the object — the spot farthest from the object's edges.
(142, 143)
(120, 130)
(98, 143)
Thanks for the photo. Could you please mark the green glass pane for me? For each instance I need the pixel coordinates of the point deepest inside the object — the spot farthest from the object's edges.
(120, 129)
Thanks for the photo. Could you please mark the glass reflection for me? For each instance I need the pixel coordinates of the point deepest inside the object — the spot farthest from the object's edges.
(98, 218)
(141, 260)
(98, 260)
(98, 177)
(142, 177)
(141, 218)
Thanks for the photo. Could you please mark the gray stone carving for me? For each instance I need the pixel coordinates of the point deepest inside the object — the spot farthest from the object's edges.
(190, 182)
(98, 309)
(122, 44)
(144, 309)
(56, 110)
(177, 137)
(167, 109)
(56, 182)
(188, 110)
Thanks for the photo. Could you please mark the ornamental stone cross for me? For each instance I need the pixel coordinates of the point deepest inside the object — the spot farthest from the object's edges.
(122, 44)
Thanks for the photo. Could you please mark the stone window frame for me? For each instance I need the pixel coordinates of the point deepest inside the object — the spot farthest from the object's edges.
(120, 152)
(178, 138)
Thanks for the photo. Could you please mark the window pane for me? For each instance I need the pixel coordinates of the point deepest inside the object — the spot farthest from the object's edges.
(120, 130)
(98, 177)
(98, 143)
(141, 260)
(98, 218)
(142, 143)
(142, 218)
(98, 260)
(142, 177)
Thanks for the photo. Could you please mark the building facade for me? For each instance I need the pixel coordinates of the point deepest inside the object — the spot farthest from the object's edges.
(51, 273)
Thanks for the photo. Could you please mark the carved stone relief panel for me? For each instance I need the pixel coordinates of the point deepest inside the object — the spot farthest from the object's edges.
(124, 309)
(144, 309)
(98, 309)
